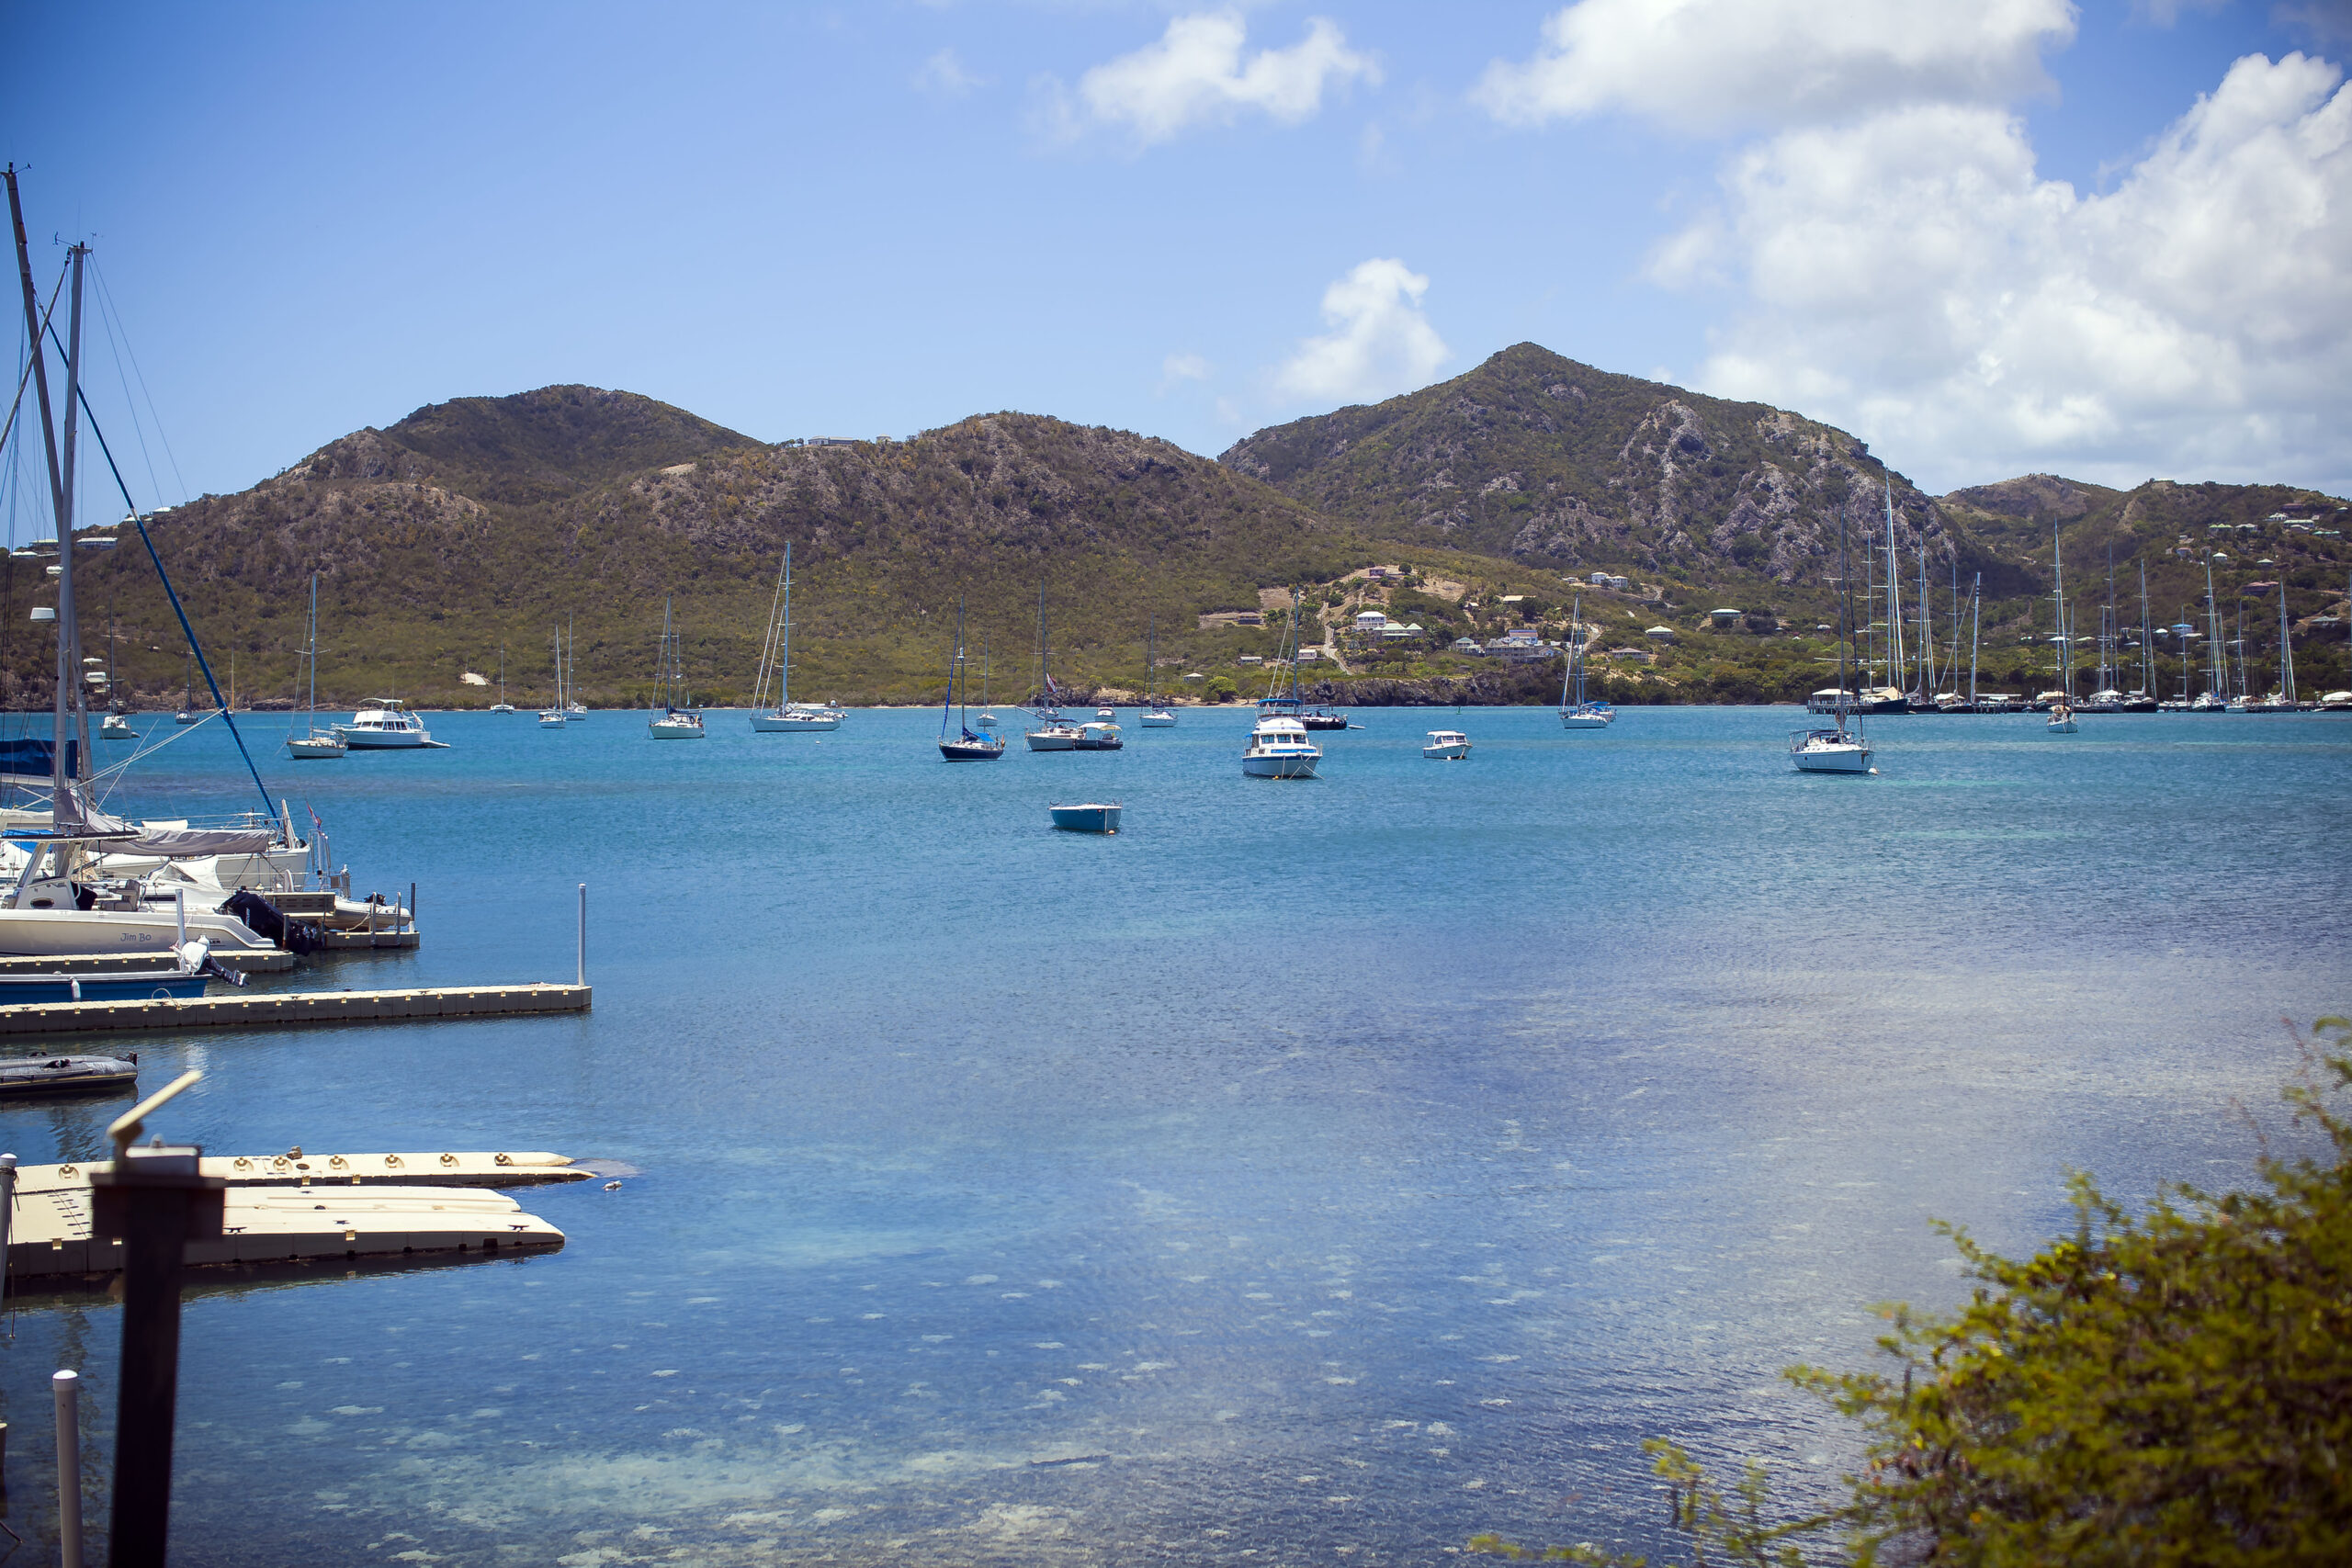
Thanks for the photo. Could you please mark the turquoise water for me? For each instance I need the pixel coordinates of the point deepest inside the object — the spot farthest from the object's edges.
(1324, 1169)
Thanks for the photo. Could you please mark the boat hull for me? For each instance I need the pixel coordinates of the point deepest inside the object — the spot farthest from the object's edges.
(1092, 817)
(15, 988)
(65, 934)
(971, 751)
(791, 724)
(69, 1075)
(316, 748)
(1279, 767)
(674, 730)
(1829, 751)
(1046, 740)
(1572, 718)
(1158, 721)
(384, 739)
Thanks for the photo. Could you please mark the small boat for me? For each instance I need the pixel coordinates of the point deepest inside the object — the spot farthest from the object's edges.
(675, 722)
(116, 727)
(1095, 816)
(1098, 736)
(987, 720)
(1155, 712)
(501, 704)
(786, 717)
(386, 724)
(1315, 718)
(69, 1075)
(316, 745)
(2062, 720)
(1579, 713)
(1838, 750)
(1446, 746)
(1106, 713)
(187, 714)
(966, 745)
(551, 718)
(1053, 734)
(1278, 747)
(554, 717)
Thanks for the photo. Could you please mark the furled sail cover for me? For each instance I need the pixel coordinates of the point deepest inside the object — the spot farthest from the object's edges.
(173, 843)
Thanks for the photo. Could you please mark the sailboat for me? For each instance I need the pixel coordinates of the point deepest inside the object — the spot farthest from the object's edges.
(966, 745)
(786, 717)
(2062, 706)
(554, 717)
(1580, 714)
(501, 704)
(187, 714)
(314, 745)
(1155, 712)
(987, 720)
(1053, 733)
(1836, 751)
(675, 722)
(574, 710)
(115, 725)
(1279, 745)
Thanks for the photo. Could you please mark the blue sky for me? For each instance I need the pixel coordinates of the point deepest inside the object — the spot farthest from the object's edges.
(2111, 241)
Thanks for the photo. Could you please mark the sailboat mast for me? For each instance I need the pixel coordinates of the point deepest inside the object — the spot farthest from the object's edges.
(1894, 598)
(2147, 638)
(2214, 651)
(1844, 617)
(2286, 647)
(313, 714)
(1975, 624)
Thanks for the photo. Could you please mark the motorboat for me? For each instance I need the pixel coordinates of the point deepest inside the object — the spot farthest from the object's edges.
(1106, 713)
(69, 1075)
(186, 978)
(1447, 746)
(1094, 817)
(785, 716)
(2336, 701)
(1097, 735)
(1315, 718)
(386, 723)
(1279, 749)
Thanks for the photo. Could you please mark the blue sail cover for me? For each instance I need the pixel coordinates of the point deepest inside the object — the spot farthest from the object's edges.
(24, 760)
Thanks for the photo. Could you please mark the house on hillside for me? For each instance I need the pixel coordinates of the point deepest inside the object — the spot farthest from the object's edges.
(1370, 622)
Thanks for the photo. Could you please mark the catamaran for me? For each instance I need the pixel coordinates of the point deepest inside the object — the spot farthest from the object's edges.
(1836, 751)
(676, 721)
(313, 744)
(966, 745)
(786, 717)
(1580, 715)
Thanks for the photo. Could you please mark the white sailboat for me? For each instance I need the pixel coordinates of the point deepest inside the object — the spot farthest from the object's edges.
(501, 704)
(1279, 746)
(1580, 713)
(2062, 711)
(673, 722)
(553, 716)
(786, 717)
(314, 745)
(1053, 732)
(1838, 750)
(1157, 715)
(987, 720)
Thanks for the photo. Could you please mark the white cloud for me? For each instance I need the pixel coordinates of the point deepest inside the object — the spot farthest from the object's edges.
(1179, 367)
(1197, 75)
(1380, 343)
(1911, 275)
(1715, 64)
(943, 76)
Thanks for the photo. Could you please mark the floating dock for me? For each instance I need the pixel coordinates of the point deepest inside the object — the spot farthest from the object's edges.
(282, 1008)
(51, 1231)
(429, 1168)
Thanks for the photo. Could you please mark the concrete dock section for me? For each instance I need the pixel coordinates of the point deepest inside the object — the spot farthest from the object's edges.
(271, 961)
(284, 1008)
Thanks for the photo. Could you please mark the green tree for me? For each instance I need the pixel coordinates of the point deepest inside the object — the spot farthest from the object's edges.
(1221, 689)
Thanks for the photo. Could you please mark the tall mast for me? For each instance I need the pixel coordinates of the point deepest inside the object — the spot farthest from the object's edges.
(72, 721)
(2286, 647)
(2213, 649)
(314, 659)
(783, 648)
(2147, 638)
(1893, 597)
(1975, 623)
(1844, 618)
(2063, 665)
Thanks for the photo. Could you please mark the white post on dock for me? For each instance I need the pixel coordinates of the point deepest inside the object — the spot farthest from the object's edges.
(7, 1209)
(179, 913)
(67, 1388)
(583, 933)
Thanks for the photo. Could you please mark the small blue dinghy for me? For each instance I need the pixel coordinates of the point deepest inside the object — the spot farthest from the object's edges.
(1094, 817)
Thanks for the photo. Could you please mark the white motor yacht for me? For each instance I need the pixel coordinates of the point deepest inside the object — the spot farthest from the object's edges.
(1280, 748)
(386, 724)
(1097, 735)
(1446, 746)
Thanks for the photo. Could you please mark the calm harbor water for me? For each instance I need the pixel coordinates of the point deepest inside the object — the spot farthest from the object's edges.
(1313, 1169)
